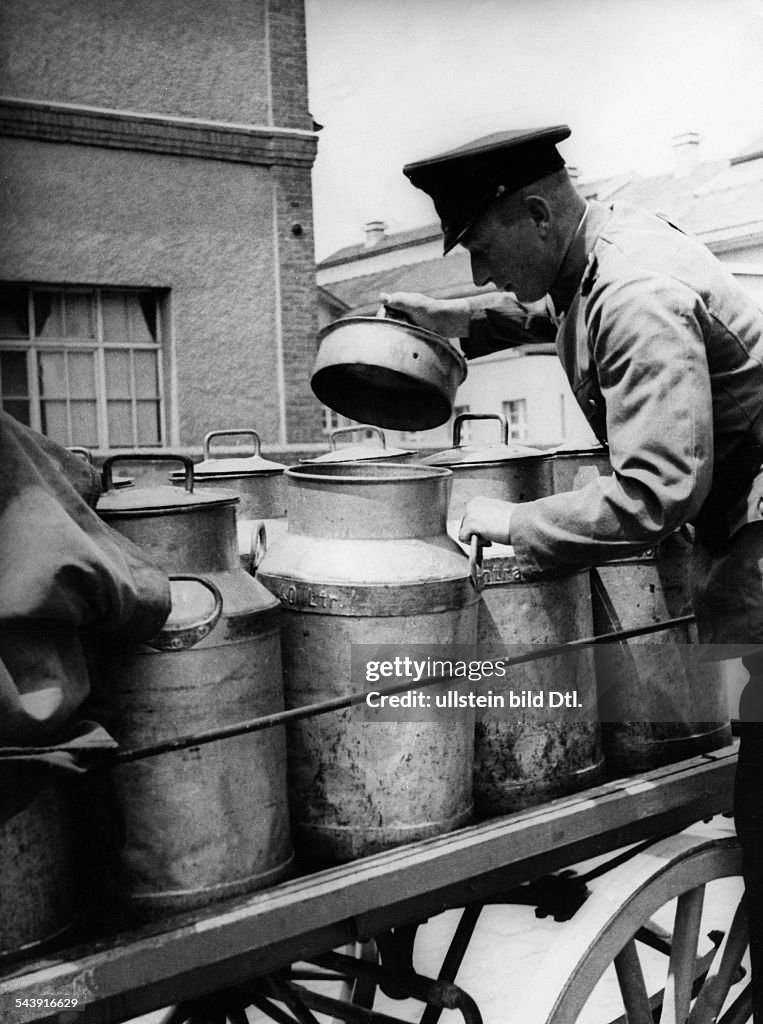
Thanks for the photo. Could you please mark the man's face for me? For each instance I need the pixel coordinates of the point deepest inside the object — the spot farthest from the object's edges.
(509, 247)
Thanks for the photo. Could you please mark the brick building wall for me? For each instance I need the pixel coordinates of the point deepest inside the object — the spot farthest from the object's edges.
(169, 147)
(298, 302)
(288, 56)
(189, 58)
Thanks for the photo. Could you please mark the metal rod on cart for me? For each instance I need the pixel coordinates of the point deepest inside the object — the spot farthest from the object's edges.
(338, 703)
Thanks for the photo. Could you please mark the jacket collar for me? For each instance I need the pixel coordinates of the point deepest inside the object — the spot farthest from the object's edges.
(577, 257)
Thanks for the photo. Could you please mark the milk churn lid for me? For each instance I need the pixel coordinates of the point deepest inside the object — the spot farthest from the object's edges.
(463, 455)
(387, 371)
(570, 448)
(237, 465)
(473, 454)
(163, 499)
(359, 452)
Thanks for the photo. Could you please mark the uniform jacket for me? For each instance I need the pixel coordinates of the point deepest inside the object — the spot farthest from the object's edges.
(664, 353)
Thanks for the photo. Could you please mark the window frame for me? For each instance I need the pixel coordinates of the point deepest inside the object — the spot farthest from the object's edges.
(33, 345)
(518, 427)
(328, 426)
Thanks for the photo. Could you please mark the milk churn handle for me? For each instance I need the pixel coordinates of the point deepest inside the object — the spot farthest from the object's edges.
(476, 544)
(106, 476)
(480, 416)
(183, 637)
(233, 433)
(352, 430)
(258, 545)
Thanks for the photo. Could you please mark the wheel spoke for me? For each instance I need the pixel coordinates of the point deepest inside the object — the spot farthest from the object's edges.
(290, 995)
(236, 1015)
(177, 1015)
(652, 934)
(259, 1002)
(632, 986)
(683, 957)
(362, 991)
(740, 1011)
(620, 913)
(721, 975)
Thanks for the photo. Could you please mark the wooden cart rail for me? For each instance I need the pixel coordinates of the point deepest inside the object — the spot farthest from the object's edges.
(135, 972)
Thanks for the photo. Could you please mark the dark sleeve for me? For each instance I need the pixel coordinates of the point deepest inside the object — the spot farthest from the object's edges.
(58, 560)
(504, 327)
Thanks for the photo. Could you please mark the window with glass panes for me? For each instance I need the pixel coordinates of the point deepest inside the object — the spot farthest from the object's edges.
(83, 365)
(515, 412)
(334, 420)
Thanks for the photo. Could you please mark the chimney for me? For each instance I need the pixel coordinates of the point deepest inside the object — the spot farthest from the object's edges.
(685, 154)
(375, 231)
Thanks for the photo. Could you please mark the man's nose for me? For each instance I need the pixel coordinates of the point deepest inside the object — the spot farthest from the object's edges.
(480, 272)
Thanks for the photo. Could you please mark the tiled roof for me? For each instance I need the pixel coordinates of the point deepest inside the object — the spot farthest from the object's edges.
(331, 299)
(723, 197)
(439, 278)
(399, 240)
(716, 196)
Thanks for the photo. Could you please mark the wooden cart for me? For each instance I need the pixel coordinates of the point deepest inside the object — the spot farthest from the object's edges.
(215, 962)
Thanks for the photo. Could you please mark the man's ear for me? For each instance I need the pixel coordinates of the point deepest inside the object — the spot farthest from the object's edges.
(540, 212)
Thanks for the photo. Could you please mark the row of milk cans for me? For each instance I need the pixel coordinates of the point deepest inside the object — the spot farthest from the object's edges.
(269, 611)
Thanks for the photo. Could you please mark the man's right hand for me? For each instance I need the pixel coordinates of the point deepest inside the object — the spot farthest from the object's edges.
(489, 518)
(447, 317)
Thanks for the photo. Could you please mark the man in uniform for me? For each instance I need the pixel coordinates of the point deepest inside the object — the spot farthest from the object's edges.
(664, 353)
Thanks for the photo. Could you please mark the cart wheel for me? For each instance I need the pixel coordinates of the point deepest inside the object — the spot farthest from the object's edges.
(680, 977)
(360, 992)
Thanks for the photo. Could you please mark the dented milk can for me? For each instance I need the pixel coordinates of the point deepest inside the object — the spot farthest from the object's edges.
(536, 750)
(659, 702)
(208, 822)
(259, 483)
(38, 854)
(366, 560)
(544, 742)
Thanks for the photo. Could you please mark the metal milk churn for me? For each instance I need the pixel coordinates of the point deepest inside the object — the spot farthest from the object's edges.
(366, 560)
(511, 472)
(658, 701)
(259, 483)
(38, 856)
(533, 751)
(574, 467)
(209, 822)
(361, 452)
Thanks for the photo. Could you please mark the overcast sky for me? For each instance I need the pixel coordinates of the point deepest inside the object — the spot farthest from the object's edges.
(396, 80)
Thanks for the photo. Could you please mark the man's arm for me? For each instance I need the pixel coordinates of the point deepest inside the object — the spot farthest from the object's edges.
(647, 340)
(488, 322)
